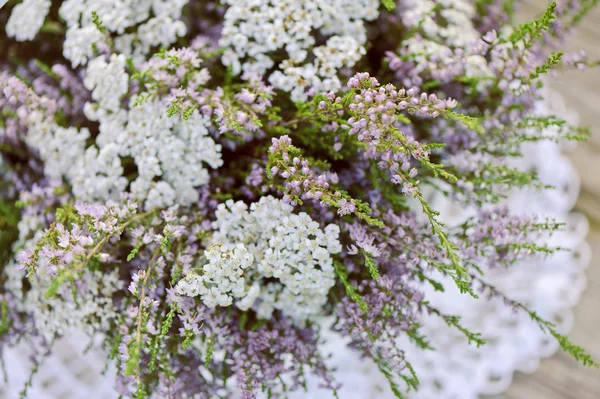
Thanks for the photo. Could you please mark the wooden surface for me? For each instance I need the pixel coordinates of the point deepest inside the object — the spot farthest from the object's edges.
(560, 377)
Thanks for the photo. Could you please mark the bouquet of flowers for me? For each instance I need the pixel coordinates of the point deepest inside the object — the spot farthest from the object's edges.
(202, 183)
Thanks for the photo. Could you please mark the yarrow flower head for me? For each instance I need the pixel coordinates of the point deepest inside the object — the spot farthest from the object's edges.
(222, 278)
(288, 248)
(27, 18)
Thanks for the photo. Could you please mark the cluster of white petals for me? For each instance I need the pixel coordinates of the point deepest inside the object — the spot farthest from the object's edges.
(222, 278)
(267, 241)
(169, 154)
(322, 74)
(458, 29)
(107, 81)
(139, 26)
(57, 146)
(255, 29)
(27, 18)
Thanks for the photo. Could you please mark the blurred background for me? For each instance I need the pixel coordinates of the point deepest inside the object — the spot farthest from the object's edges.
(561, 377)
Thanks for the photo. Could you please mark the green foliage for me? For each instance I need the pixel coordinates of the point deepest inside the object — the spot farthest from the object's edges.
(564, 130)
(437, 286)
(189, 338)
(534, 28)
(507, 5)
(389, 5)
(53, 28)
(175, 108)
(140, 99)
(576, 351)
(469, 121)
(351, 291)
(389, 376)
(132, 364)
(46, 69)
(29, 382)
(411, 380)
(9, 219)
(4, 323)
(312, 120)
(164, 330)
(501, 143)
(114, 348)
(210, 347)
(134, 251)
(454, 321)
(455, 269)
(96, 21)
(56, 283)
(492, 182)
(419, 340)
(371, 266)
(552, 60)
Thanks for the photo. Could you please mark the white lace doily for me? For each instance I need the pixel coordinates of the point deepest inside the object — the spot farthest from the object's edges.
(455, 370)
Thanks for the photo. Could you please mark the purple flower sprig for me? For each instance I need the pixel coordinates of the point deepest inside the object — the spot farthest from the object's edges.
(15, 92)
(376, 117)
(391, 312)
(65, 250)
(302, 183)
(258, 357)
(132, 365)
(239, 112)
(242, 113)
(375, 108)
(497, 239)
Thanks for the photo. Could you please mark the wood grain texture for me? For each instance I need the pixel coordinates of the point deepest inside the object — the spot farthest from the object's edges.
(560, 377)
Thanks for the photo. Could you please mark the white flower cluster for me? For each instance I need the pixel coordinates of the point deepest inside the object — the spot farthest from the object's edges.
(27, 18)
(58, 147)
(169, 153)
(458, 29)
(148, 23)
(80, 42)
(222, 279)
(458, 32)
(288, 248)
(171, 149)
(255, 29)
(321, 75)
(108, 81)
